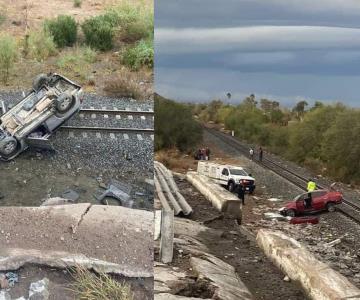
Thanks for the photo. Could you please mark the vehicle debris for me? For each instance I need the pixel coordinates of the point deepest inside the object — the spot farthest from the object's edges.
(275, 216)
(70, 195)
(118, 191)
(53, 100)
(304, 220)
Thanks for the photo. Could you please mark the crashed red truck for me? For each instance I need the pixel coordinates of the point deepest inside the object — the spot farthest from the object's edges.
(321, 200)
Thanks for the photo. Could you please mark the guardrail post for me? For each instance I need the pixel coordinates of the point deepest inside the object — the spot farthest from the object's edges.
(167, 236)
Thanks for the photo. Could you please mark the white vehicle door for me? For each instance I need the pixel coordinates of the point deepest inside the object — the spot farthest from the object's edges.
(224, 176)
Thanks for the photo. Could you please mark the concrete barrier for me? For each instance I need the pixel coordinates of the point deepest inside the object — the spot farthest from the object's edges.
(220, 198)
(319, 281)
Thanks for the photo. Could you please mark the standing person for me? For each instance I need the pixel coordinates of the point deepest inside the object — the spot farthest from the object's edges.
(251, 153)
(241, 193)
(208, 153)
(260, 154)
(311, 186)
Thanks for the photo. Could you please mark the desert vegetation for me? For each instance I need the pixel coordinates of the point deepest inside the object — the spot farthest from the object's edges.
(91, 50)
(323, 137)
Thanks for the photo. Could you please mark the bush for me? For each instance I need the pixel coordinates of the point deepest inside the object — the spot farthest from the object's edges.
(123, 86)
(99, 33)
(142, 54)
(77, 61)
(8, 54)
(40, 45)
(77, 3)
(63, 29)
(135, 22)
(174, 126)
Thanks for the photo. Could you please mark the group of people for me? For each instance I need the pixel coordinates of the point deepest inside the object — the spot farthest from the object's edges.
(260, 152)
(202, 154)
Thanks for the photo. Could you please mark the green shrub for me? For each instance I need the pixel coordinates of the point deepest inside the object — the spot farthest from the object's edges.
(135, 22)
(99, 33)
(175, 126)
(8, 54)
(40, 45)
(142, 54)
(77, 61)
(77, 3)
(63, 29)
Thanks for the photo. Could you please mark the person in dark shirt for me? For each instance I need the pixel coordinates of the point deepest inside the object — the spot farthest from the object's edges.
(241, 193)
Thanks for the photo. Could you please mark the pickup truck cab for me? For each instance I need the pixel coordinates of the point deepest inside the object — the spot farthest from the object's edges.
(227, 175)
(53, 100)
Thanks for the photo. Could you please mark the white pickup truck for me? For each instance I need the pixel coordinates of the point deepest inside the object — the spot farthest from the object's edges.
(227, 175)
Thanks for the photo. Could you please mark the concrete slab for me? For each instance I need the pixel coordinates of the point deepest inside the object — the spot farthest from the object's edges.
(114, 234)
(14, 258)
(220, 198)
(166, 296)
(193, 229)
(222, 276)
(318, 280)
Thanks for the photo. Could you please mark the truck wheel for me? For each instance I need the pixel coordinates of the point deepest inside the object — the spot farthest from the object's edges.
(231, 186)
(64, 103)
(39, 81)
(290, 213)
(8, 146)
(330, 207)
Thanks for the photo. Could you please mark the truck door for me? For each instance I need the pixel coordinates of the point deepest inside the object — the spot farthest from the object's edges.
(224, 176)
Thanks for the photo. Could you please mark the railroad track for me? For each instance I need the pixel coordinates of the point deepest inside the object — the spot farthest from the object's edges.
(117, 111)
(108, 127)
(348, 207)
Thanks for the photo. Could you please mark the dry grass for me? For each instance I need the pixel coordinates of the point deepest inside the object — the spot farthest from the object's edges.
(125, 83)
(88, 286)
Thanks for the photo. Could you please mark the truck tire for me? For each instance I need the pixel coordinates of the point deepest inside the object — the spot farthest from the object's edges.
(8, 146)
(231, 186)
(64, 103)
(39, 81)
(291, 213)
(330, 207)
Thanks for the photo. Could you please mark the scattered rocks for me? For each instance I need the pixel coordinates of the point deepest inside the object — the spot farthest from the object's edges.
(39, 290)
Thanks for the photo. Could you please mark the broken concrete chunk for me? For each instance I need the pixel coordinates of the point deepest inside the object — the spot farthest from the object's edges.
(275, 216)
(4, 295)
(222, 276)
(55, 201)
(39, 290)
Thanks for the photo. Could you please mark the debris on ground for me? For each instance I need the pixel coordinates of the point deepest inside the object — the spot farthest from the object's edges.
(71, 195)
(118, 191)
(39, 290)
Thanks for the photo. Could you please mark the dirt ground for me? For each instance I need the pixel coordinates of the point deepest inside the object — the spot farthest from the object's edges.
(61, 283)
(261, 277)
(20, 12)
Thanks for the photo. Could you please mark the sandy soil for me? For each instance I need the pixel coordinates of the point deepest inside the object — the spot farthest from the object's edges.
(20, 12)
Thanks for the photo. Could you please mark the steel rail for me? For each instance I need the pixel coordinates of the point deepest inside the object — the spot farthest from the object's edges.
(107, 129)
(115, 111)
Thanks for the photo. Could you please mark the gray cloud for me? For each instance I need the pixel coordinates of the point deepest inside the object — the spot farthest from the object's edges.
(264, 38)
(280, 49)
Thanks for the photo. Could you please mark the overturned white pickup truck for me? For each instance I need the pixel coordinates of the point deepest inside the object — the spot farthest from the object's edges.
(53, 100)
(227, 175)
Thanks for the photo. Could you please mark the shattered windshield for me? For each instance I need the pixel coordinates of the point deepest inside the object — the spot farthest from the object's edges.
(238, 172)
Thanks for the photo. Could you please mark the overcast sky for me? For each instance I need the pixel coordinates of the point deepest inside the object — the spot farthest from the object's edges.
(283, 50)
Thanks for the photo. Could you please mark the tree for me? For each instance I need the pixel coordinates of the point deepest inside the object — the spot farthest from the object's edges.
(299, 108)
(250, 101)
(8, 54)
